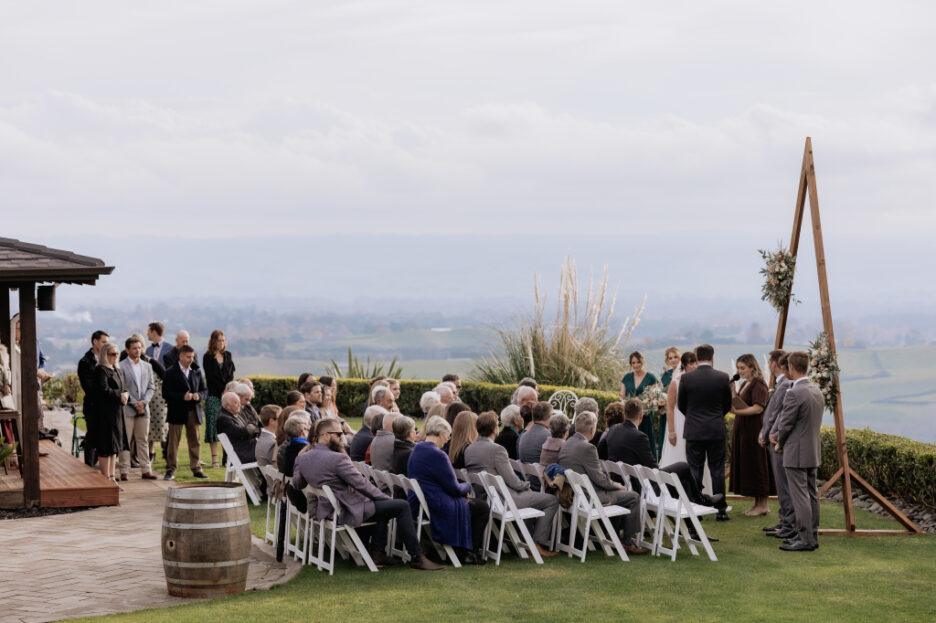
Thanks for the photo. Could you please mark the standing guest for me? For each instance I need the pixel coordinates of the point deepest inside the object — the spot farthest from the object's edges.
(159, 347)
(464, 433)
(452, 411)
(241, 432)
(363, 438)
(381, 448)
(327, 464)
(672, 358)
(750, 471)
(86, 367)
(184, 390)
(329, 396)
(305, 376)
(295, 399)
(558, 430)
(704, 397)
(446, 393)
(455, 519)
(138, 376)
(312, 392)
(297, 429)
(427, 401)
(797, 440)
(110, 395)
(524, 395)
(786, 526)
(6, 380)
(171, 357)
(219, 371)
(512, 422)
(266, 442)
(159, 427)
(530, 444)
(404, 430)
(632, 385)
(579, 455)
(486, 456)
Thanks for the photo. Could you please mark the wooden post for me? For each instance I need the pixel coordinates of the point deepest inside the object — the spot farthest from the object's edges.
(29, 388)
(5, 337)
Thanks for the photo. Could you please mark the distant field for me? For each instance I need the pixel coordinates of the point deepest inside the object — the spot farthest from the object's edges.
(890, 390)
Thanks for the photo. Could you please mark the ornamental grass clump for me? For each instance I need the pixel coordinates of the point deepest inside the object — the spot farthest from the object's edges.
(579, 349)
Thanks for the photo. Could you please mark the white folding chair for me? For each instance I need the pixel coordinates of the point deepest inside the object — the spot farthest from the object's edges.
(297, 531)
(423, 520)
(649, 502)
(332, 534)
(680, 511)
(234, 470)
(534, 472)
(510, 520)
(273, 507)
(615, 469)
(461, 474)
(594, 518)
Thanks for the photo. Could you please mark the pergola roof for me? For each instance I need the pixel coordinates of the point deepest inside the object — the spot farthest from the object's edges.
(21, 262)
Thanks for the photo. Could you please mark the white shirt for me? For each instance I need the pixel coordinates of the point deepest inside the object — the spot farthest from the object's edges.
(185, 371)
(157, 349)
(137, 374)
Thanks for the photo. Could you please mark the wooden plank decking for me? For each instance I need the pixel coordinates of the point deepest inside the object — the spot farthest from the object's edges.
(64, 481)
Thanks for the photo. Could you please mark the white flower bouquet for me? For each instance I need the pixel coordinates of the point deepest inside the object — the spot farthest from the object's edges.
(778, 277)
(653, 399)
(824, 369)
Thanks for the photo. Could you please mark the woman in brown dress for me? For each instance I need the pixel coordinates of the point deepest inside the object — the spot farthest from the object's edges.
(750, 474)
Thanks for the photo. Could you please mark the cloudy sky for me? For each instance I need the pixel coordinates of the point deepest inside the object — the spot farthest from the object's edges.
(243, 118)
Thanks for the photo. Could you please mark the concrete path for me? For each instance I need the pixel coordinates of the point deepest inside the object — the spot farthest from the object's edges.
(100, 561)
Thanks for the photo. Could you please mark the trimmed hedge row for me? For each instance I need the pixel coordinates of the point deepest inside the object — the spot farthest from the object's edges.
(896, 466)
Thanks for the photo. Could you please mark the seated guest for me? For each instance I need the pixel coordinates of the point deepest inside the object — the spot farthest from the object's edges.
(362, 438)
(266, 442)
(327, 464)
(531, 442)
(241, 433)
(295, 399)
(558, 429)
(464, 433)
(625, 442)
(329, 395)
(382, 396)
(524, 394)
(456, 520)
(247, 402)
(526, 414)
(312, 393)
(437, 410)
(586, 404)
(446, 392)
(297, 431)
(613, 418)
(486, 456)
(455, 382)
(404, 430)
(427, 401)
(281, 437)
(381, 448)
(512, 422)
(579, 455)
(394, 386)
(452, 411)
(374, 383)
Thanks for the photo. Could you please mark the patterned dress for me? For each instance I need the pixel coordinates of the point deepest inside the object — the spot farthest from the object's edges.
(159, 428)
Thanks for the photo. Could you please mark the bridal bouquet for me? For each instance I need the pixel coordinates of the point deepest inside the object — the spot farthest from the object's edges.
(824, 369)
(778, 277)
(653, 399)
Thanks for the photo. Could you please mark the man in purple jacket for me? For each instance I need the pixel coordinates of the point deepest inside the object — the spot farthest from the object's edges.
(327, 464)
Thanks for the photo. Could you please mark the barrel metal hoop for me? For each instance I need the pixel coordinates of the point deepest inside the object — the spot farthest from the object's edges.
(205, 526)
(206, 493)
(206, 506)
(207, 565)
(203, 582)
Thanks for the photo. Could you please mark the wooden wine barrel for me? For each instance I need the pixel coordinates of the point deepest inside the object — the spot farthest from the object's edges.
(206, 539)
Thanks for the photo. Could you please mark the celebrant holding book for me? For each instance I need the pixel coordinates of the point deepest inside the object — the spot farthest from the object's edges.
(632, 385)
(750, 472)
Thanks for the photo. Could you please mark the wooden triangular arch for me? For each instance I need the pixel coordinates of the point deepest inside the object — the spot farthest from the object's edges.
(807, 185)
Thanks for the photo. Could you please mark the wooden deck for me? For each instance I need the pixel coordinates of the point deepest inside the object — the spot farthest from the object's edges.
(64, 482)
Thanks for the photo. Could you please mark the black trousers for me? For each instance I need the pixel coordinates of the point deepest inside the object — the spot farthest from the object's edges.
(714, 451)
(480, 511)
(384, 511)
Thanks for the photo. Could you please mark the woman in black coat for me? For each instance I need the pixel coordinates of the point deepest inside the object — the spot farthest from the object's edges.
(219, 371)
(110, 396)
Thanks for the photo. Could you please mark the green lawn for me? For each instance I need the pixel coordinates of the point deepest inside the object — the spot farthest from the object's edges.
(847, 579)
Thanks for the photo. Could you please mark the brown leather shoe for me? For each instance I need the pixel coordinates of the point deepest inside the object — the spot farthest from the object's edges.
(150, 476)
(382, 560)
(545, 553)
(635, 550)
(424, 564)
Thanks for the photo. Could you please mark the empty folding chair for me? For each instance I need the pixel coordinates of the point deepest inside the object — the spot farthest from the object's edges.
(295, 539)
(234, 470)
(649, 503)
(509, 520)
(332, 535)
(593, 519)
(683, 514)
(273, 506)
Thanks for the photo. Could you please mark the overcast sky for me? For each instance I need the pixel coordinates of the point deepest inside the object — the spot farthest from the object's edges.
(250, 118)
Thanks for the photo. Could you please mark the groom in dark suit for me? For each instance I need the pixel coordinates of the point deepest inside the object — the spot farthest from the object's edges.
(705, 398)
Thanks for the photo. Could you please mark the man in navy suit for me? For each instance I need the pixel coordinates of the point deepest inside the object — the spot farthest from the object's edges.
(160, 347)
(184, 389)
(705, 398)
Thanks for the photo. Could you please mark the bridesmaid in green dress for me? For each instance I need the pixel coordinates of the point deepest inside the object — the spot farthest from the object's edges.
(672, 356)
(632, 385)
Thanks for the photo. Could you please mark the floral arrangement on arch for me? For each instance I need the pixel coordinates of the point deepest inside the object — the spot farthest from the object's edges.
(778, 277)
(824, 369)
(653, 399)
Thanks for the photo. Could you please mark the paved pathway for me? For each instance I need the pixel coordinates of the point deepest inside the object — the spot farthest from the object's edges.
(100, 561)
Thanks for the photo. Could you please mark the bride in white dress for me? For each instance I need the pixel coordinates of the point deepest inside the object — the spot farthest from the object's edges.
(674, 448)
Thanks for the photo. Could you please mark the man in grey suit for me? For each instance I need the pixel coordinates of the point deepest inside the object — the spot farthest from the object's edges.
(139, 379)
(786, 526)
(579, 455)
(798, 442)
(381, 448)
(486, 456)
(531, 442)
(328, 464)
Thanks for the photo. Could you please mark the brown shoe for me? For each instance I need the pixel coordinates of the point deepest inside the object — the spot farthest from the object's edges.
(150, 476)
(424, 564)
(545, 553)
(124, 477)
(635, 550)
(382, 560)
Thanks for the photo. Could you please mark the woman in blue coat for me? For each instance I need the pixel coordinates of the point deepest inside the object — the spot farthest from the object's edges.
(455, 519)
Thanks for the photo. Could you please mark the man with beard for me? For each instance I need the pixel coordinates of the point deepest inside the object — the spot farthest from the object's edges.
(328, 464)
